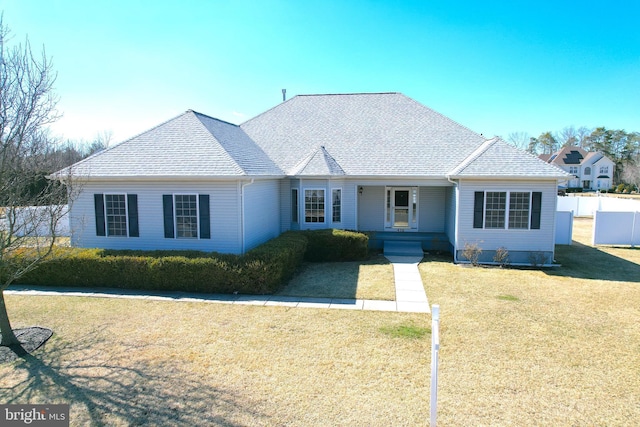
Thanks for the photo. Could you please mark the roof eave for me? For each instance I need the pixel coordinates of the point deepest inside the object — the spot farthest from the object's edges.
(175, 178)
(510, 177)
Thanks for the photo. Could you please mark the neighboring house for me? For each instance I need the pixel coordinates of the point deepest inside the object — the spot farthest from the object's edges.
(380, 163)
(590, 170)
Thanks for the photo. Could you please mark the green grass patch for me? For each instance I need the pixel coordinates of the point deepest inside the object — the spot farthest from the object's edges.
(406, 331)
(508, 298)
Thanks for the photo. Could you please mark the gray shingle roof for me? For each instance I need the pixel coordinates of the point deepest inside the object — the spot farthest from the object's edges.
(385, 134)
(496, 158)
(378, 134)
(190, 145)
(318, 163)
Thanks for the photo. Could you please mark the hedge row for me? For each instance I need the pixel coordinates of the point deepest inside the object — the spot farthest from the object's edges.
(260, 271)
(336, 245)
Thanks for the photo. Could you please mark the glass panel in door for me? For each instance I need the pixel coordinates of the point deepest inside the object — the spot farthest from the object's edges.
(401, 208)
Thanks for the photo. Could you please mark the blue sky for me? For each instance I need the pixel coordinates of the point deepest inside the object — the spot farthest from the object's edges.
(496, 67)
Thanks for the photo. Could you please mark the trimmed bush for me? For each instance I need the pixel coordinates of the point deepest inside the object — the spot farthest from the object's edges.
(336, 245)
(262, 270)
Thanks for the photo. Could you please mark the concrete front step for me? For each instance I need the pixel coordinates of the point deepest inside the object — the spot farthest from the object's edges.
(403, 248)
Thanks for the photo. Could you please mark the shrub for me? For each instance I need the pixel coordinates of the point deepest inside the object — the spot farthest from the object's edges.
(501, 257)
(472, 252)
(336, 245)
(262, 270)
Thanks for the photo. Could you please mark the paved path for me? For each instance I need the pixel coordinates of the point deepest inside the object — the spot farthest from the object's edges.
(410, 294)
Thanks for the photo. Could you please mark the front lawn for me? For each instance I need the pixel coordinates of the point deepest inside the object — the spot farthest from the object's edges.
(518, 347)
(371, 279)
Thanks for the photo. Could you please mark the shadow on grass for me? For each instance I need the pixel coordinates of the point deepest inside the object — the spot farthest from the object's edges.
(328, 280)
(113, 392)
(587, 262)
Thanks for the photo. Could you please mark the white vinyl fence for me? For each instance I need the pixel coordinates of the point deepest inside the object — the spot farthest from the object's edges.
(586, 206)
(564, 227)
(616, 221)
(616, 228)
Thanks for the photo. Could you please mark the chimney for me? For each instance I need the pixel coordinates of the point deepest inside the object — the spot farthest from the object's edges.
(284, 95)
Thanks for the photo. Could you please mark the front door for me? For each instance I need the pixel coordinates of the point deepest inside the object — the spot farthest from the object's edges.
(402, 206)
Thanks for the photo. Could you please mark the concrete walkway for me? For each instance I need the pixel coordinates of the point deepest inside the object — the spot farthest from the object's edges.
(410, 294)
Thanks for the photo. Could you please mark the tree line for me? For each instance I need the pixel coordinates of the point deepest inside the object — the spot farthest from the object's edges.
(622, 147)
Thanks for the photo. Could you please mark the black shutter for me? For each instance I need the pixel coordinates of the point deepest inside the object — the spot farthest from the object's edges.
(205, 219)
(536, 209)
(478, 209)
(98, 200)
(132, 205)
(167, 209)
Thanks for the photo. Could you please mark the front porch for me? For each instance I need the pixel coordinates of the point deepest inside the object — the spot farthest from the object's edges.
(431, 241)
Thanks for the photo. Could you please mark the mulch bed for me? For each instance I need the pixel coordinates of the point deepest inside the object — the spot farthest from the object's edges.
(30, 338)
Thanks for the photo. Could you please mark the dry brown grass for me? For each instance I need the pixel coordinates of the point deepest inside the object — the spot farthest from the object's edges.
(552, 347)
(131, 362)
(519, 347)
(372, 279)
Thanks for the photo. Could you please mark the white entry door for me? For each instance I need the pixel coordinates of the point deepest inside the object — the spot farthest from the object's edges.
(402, 208)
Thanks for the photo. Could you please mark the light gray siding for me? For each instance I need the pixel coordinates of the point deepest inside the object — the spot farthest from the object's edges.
(450, 208)
(431, 210)
(371, 208)
(285, 205)
(515, 241)
(224, 216)
(261, 212)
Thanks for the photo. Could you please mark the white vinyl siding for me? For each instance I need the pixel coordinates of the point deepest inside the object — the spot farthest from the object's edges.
(261, 212)
(542, 239)
(224, 216)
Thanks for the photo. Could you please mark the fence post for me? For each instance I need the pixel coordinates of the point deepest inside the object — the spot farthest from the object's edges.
(435, 348)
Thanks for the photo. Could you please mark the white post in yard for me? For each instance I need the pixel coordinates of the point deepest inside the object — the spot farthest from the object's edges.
(435, 348)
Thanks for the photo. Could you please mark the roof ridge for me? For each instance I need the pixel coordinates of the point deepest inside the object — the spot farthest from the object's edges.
(318, 95)
(86, 159)
(211, 117)
(326, 154)
(305, 161)
(217, 141)
(482, 148)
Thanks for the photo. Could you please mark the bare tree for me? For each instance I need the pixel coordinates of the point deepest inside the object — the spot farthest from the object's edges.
(30, 205)
(519, 140)
(568, 137)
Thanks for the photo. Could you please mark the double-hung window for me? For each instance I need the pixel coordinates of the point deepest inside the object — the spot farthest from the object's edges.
(186, 216)
(513, 210)
(115, 206)
(186, 208)
(314, 205)
(116, 215)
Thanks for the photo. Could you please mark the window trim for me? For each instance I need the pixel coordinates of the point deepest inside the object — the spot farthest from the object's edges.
(533, 215)
(203, 216)
(324, 205)
(131, 215)
(175, 216)
(339, 206)
(106, 215)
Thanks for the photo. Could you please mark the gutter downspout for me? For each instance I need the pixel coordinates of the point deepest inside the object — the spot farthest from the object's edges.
(455, 219)
(242, 224)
